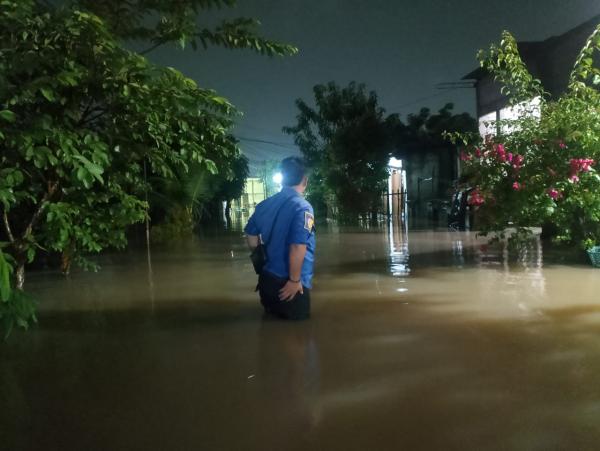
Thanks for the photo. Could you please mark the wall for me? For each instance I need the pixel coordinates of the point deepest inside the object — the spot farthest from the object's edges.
(551, 61)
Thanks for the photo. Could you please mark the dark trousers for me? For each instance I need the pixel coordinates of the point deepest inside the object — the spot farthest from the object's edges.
(296, 309)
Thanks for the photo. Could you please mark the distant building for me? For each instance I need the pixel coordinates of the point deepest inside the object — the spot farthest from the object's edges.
(254, 193)
(551, 61)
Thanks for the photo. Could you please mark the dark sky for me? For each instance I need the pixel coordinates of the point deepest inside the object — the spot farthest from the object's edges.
(399, 48)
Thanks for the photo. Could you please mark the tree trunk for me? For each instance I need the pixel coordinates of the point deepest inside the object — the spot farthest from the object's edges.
(20, 274)
(214, 213)
(65, 263)
(228, 214)
(67, 259)
(228, 210)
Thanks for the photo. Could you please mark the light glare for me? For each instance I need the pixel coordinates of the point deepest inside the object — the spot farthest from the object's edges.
(278, 178)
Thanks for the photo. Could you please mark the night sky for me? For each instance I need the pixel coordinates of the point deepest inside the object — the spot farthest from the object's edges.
(401, 49)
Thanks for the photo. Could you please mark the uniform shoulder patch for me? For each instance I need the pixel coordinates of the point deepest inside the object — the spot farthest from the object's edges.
(309, 221)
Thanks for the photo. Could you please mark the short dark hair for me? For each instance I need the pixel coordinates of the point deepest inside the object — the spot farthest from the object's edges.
(293, 171)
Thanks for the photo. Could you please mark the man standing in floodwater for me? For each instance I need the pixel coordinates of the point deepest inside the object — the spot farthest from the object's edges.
(286, 224)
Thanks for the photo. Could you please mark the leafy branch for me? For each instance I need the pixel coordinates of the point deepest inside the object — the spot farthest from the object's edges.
(505, 63)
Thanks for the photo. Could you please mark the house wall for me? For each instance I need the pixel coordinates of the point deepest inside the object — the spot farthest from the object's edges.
(560, 60)
(551, 61)
(254, 193)
(489, 97)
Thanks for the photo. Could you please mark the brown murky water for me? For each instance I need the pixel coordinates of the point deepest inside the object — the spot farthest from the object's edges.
(420, 341)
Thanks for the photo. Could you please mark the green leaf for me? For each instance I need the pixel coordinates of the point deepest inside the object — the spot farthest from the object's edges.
(95, 170)
(48, 94)
(5, 271)
(81, 173)
(8, 115)
(211, 166)
(30, 254)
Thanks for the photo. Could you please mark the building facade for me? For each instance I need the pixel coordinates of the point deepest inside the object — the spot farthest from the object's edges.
(550, 61)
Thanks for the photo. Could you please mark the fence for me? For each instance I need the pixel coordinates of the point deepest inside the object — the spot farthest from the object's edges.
(395, 204)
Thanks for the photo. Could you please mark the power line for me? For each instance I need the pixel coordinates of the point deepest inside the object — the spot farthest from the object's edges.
(262, 130)
(264, 141)
(455, 85)
(256, 153)
(261, 153)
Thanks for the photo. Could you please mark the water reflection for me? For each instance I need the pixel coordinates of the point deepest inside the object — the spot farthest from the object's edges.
(457, 253)
(525, 253)
(522, 282)
(288, 373)
(398, 248)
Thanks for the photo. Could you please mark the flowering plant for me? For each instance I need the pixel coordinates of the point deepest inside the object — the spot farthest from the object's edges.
(540, 167)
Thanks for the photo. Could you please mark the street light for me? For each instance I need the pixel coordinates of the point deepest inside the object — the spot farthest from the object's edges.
(395, 163)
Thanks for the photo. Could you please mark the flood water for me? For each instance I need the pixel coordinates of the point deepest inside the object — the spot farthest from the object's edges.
(419, 340)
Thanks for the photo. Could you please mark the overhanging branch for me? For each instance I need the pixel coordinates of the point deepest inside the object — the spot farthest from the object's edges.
(36, 216)
(154, 47)
(7, 228)
(93, 118)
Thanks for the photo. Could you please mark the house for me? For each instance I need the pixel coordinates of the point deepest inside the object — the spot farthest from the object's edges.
(550, 61)
(254, 192)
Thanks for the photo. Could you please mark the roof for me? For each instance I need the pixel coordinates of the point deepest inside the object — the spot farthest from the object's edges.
(536, 54)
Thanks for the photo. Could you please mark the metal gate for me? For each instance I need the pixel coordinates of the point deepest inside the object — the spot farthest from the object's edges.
(395, 204)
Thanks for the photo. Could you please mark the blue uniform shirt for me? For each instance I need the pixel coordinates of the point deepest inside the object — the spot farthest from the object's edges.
(294, 225)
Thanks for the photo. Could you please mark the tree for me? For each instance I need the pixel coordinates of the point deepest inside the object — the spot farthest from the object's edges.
(193, 196)
(82, 120)
(160, 22)
(425, 131)
(233, 187)
(422, 137)
(540, 168)
(219, 190)
(346, 142)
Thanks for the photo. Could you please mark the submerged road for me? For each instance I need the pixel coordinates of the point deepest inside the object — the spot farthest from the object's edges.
(420, 340)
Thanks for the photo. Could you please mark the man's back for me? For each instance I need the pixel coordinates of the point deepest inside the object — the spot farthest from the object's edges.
(283, 219)
(286, 224)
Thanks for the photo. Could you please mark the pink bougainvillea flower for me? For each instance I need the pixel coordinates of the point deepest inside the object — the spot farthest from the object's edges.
(580, 165)
(476, 198)
(574, 165)
(517, 186)
(464, 156)
(518, 161)
(500, 152)
(478, 152)
(554, 193)
(562, 144)
(574, 179)
(586, 164)
(509, 157)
